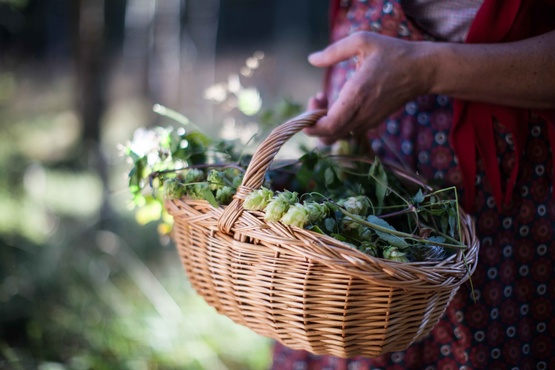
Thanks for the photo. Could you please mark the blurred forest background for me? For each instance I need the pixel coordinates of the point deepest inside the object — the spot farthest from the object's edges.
(82, 284)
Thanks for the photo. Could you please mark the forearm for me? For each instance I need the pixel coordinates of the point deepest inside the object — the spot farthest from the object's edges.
(519, 74)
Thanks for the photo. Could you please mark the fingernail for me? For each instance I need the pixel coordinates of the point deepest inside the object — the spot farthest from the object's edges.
(316, 54)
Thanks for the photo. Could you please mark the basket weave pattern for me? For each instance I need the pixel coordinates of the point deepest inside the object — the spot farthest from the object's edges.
(307, 290)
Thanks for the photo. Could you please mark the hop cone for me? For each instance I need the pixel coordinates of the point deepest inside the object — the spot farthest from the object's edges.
(290, 197)
(356, 205)
(279, 205)
(316, 211)
(174, 188)
(258, 199)
(192, 175)
(215, 179)
(296, 215)
(394, 254)
(369, 248)
(275, 210)
(225, 194)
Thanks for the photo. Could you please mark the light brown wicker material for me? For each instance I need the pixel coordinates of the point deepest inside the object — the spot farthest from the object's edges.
(307, 290)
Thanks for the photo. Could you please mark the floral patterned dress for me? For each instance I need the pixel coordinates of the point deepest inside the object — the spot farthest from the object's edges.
(510, 322)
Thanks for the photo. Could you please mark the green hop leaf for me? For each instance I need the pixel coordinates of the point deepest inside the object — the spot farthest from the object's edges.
(209, 197)
(377, 172)
(418, 198)
(329, 176)
(329, 224)
(316, 229)
(390, 238)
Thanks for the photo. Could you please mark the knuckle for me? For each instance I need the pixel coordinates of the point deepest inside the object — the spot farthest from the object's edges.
(361, 39)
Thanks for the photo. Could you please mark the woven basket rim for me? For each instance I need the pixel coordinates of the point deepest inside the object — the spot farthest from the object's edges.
(446, 274)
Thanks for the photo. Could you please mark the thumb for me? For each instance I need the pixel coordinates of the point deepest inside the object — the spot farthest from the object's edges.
(341, 50)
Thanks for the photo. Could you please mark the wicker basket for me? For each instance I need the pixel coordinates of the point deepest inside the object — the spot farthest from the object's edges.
(307, 290)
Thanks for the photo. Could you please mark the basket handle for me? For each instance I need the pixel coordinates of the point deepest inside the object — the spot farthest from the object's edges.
(261, 161)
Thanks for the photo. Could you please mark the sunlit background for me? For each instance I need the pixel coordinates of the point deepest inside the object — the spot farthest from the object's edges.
(83, 285)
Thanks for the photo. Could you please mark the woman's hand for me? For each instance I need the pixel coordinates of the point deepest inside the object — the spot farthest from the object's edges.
(318, 101)
(389, 73)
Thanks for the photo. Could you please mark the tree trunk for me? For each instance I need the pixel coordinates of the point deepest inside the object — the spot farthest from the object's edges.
(91, 69)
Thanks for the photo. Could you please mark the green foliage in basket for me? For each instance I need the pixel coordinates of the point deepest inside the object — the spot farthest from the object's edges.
(177, 161)
(348, 197)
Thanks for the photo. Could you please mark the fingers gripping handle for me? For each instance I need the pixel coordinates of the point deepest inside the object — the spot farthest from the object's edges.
(260, 163)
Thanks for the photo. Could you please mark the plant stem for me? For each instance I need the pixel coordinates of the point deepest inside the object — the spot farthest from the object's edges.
(374, 226)
(398, 213)
(215, 165)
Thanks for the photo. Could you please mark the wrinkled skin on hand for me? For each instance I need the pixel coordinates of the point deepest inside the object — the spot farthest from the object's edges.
(389, 73)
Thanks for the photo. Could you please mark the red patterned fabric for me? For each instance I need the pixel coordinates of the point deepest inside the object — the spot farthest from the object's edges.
(511, 325)
(497, 21)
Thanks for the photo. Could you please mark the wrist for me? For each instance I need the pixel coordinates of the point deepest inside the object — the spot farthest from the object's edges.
(428, 67)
